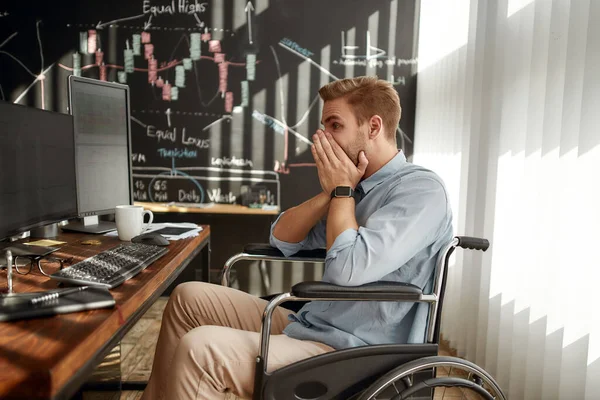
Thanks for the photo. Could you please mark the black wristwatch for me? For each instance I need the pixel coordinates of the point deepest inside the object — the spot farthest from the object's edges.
(342, 191)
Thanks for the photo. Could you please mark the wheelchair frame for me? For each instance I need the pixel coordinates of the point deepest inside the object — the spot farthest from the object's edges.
(379, 291)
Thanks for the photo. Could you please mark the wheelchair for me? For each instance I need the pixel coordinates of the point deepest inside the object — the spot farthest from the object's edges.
(389, 371)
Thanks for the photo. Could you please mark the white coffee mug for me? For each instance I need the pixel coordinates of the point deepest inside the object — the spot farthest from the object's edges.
(130, 221)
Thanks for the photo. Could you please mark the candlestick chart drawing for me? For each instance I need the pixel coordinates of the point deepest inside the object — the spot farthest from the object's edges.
(224, 94)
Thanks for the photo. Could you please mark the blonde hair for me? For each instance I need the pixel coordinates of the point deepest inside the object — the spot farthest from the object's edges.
(368, 96)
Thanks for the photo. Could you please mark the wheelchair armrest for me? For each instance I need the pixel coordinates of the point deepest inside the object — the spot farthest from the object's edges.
(264, 249)
(473, 243)
(265, 252)
(398, 291)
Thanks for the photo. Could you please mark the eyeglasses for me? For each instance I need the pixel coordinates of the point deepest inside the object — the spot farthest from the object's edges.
(47, 265)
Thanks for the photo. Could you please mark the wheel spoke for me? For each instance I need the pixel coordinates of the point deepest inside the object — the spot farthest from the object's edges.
(408, 381)
(478, 380)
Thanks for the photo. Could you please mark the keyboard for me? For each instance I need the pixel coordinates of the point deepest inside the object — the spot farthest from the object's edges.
(112, 267)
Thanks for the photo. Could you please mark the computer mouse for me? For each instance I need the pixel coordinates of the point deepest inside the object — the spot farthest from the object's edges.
(151, 238)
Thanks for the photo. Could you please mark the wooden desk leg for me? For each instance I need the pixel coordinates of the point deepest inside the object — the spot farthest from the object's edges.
(205, 259)
(105, 378)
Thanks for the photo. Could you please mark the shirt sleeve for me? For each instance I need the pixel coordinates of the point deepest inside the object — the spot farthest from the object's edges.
(314, 240)
(409, 220)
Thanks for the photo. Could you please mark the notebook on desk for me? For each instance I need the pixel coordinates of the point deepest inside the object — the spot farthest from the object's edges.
(18, 305)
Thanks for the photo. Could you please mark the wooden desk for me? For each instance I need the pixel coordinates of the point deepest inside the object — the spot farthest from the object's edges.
(50, 358)
(232, 227)
(216, 209)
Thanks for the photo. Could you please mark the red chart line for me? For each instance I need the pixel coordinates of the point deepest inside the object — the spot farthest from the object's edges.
(168, 66)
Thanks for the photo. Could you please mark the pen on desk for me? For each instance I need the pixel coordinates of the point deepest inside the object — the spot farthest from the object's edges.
(9, 264)
(56, 295)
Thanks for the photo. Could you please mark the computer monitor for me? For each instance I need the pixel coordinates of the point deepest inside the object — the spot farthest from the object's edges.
(102, 151)
(37, 168)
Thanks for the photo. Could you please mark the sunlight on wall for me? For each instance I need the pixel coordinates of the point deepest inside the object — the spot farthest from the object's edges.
(443, 31)
(523, 85)
(515, 6)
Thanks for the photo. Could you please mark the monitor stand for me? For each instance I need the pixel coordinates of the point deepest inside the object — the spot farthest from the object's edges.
(45, 232)
(90, 225)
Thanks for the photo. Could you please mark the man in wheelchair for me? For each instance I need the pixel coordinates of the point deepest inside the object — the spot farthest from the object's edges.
(380, 219)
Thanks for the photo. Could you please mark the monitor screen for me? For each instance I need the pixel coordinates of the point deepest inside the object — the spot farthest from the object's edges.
(102, 141)
(37, 168)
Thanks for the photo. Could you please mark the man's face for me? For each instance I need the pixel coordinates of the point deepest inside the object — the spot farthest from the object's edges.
(339, 120)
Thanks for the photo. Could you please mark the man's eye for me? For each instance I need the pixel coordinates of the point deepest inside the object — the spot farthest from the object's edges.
(336, 125)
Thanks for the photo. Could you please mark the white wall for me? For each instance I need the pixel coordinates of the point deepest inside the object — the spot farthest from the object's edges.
(507, 113)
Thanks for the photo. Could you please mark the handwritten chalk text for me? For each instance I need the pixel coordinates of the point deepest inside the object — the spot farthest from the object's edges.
(215, 196)
(160, 135)
(174, 7)
(377, 62)
(177, 153)
(295, 46)
(231, 162)
(268, 121)
(189, 197)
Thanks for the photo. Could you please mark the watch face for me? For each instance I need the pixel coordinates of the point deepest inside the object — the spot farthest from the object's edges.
(343, 191)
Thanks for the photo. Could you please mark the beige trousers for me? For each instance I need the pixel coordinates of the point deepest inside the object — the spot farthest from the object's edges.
(209, 340)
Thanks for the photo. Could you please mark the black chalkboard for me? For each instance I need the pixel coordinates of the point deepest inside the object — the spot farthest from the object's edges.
(223, 93)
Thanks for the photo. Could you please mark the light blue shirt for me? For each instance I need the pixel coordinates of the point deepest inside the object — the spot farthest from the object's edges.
(404, 220)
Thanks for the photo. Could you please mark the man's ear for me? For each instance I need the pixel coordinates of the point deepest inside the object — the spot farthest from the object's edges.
(375, 126)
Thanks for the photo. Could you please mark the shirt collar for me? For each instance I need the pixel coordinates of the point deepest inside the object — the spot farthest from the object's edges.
(383, 173)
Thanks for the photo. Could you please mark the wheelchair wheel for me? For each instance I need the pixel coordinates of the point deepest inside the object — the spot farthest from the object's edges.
(400, 383)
